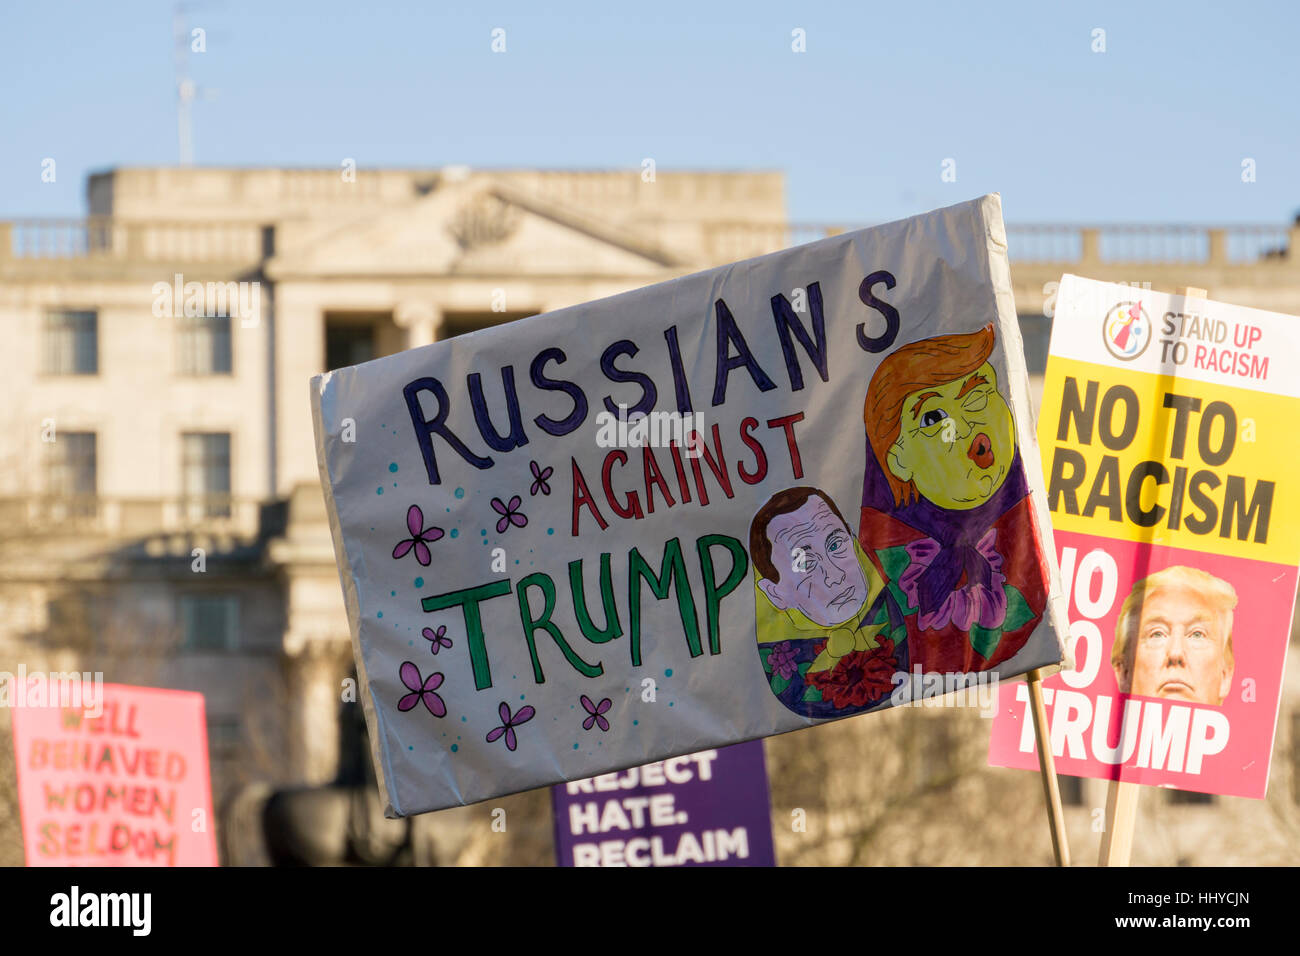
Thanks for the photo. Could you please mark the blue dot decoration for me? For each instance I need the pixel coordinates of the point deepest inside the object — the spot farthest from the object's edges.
(455, 532)
(454, 748)
(393, 467)
(668, 672)
(379, 490)
(419, 582)
(460, 492)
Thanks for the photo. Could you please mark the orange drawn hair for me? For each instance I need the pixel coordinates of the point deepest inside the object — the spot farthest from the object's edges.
(910, 368)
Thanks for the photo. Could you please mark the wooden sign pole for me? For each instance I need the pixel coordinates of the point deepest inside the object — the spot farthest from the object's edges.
(1121, 820)
(1122, 795)
(1047, 767)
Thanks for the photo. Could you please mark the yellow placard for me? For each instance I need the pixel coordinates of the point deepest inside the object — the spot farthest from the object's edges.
(1171, 461)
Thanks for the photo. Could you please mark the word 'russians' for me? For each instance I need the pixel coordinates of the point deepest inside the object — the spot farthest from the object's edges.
(732, 353)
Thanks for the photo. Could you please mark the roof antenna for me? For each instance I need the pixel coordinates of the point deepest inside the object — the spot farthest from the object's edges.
(186, 41)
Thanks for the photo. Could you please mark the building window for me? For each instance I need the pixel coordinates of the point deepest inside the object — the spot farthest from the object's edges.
(71, 343)
(348, 344)
(70, 466)
(225, 734)
(71, 473)
(1071, 790)
(204, 345)
(1189, 797)
(209, 623)
(353, 337)
(1036, 336)
(935, 743)
(461, 323)
(205, 474)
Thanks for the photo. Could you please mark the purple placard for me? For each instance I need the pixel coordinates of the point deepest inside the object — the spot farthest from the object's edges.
(705, 809)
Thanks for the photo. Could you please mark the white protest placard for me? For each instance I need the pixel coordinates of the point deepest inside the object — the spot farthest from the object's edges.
(739, 503)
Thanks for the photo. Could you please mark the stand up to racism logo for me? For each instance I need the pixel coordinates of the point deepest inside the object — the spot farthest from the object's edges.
(1126, 331)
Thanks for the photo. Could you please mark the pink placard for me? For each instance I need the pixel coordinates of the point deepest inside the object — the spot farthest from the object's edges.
(127, 786)
(1167, 740)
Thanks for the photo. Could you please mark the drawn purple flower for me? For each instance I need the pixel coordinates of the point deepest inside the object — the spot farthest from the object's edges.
(596, 714)
(510, 515)
(782, 661)
(540, 478)
(438, 637)
(419, 536)
(421, 691)
(979, 603)
(509, 723)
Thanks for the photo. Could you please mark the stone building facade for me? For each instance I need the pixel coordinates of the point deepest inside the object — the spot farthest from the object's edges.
(160, 513)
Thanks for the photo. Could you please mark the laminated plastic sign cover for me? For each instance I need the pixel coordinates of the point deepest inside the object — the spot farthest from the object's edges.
(1168, 437)
(731, 505)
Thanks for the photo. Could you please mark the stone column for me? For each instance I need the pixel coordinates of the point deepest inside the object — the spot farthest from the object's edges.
(317, 645)
(1090, 246)
(1218, 247)
(315, 681)
(420, 320)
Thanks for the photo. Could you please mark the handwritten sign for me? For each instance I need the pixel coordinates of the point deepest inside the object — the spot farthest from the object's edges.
(126, 787)
(723, 507)
(1168, 436)
(705, 809)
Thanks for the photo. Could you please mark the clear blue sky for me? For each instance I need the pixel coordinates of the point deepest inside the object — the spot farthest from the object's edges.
(1152, 130)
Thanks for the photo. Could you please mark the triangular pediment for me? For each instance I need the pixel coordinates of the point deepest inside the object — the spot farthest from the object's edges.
(472, 227)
